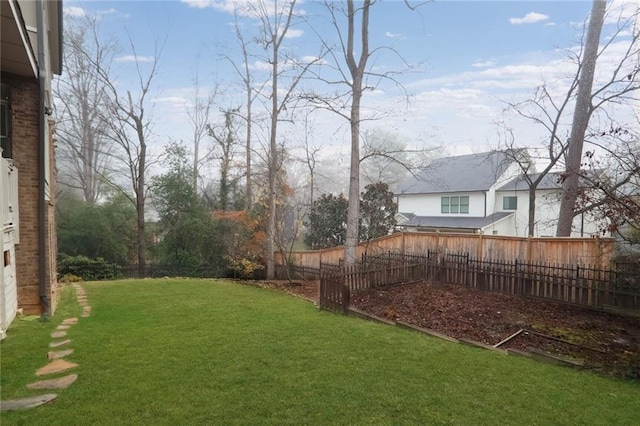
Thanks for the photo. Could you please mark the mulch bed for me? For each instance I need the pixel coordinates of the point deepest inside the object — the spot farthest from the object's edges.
(598, 340)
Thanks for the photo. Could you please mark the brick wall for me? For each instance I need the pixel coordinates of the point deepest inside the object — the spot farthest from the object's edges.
(24, 138)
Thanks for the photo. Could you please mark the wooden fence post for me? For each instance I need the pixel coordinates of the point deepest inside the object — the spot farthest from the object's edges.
(346, 296)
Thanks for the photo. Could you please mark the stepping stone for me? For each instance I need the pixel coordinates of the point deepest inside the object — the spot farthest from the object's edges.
(70, 321)
(63, 327)
(59, 354)
(59, 383)
(25, 403)
(57, 366)
(58, 334)
(59, 343)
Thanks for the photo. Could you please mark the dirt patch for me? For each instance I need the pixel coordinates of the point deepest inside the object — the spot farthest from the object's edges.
(600, 341)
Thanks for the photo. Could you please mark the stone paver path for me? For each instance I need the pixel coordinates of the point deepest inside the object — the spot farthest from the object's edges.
(57, 365)
(59, 343)
(25, 403)
(59, 354)
(59, 383)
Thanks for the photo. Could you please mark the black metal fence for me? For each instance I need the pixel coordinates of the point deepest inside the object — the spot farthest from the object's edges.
(585, 285)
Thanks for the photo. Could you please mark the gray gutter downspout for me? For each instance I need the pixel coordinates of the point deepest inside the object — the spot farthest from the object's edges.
(485, 203)
(42, 219)
(60, 37)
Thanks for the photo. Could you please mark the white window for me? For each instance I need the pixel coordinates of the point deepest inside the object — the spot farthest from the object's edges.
(456, 204)
(509, 203)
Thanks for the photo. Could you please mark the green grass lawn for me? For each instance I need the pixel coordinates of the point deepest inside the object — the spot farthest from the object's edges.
(176, 351)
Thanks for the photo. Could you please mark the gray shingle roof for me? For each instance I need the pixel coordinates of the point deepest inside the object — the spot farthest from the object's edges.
(473, 172)
(455, 222)
(550, 181)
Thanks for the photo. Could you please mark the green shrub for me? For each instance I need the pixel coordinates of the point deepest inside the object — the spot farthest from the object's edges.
(69, 278)
(87, 269)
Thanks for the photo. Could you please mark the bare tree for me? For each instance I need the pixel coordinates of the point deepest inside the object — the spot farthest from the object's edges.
(286, 73)
(550, 108)
(351, 63)
(612, 179)
(244, 73)
(543, 110)
(130, 129)
(225, 142)
(581, 115)
(386, 158)
(310, 157)
(80, 96)
(199, 119)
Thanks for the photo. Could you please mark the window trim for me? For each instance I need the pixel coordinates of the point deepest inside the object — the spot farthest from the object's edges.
(443, 209)
(506, 206)
(461, 204)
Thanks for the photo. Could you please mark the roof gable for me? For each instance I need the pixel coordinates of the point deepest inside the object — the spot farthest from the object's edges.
(473, 172)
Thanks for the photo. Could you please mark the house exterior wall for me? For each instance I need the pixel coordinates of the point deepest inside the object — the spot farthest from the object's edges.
(546, 215)
(24, 137)
(9, 237)
(429, 204)
(504, 227)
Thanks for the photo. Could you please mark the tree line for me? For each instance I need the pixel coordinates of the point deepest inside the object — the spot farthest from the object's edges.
(230, 197)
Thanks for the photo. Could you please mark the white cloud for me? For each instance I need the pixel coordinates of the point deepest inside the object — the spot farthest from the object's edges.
(106, 11)
(173, 100)
(621, 10)
(292, 33)
(134, 58)
(550, 24)
(248, 8)
(392, 35)
(309, 58)
(529, 18)
(200, 4)
(74, 11)
(260, 66)
(483, 64)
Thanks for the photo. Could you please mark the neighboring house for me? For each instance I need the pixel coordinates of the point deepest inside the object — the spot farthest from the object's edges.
(30, 53)
(481, 193)
(514, 197)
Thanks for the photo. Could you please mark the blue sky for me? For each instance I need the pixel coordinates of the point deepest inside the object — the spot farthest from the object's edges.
(469, 59)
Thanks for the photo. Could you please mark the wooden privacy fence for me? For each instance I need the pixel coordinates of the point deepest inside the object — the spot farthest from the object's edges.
(565, 251)
(578, 284)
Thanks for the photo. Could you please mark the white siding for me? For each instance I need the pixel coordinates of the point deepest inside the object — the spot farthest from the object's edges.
(8, 239)
(429, 204)
(504, 227)
(546, 215)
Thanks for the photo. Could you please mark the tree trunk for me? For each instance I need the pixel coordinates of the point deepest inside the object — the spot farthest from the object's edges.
(357, 73)
(583, 110)
(249, 197)
(353, 209)
(196, 158)
(273, 154)
(140, 201)
(532, 210)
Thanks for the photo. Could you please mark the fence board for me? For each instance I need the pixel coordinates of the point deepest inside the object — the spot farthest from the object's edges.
(566, 251)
